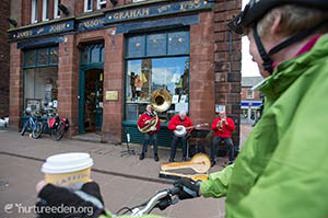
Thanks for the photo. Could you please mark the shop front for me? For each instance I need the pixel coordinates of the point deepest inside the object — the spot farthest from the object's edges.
(104, 69)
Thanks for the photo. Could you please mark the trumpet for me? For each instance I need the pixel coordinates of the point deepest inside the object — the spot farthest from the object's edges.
(219, 125)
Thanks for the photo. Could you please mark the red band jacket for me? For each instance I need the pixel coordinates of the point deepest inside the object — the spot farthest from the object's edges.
(226, 130)
(175, 121)
(145, 117)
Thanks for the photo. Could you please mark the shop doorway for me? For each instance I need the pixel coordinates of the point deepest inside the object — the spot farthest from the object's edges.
(91, 89)
(93, 98)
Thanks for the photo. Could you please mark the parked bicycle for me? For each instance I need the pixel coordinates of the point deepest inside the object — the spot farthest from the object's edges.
(54, 125)
(32, 124)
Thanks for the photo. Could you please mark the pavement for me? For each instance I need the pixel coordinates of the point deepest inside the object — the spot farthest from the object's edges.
(124, 180)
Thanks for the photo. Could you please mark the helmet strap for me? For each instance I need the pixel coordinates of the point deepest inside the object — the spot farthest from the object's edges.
(296, 38)
(267, 61)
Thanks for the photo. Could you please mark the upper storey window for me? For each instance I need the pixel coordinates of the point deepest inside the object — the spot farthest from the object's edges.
(56, 9)
(45, 12)
(34, 14)
(101, 4)
(88, 5)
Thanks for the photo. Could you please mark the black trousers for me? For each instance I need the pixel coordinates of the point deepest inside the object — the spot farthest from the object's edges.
(227, 142)
(174, 144)
(150, 139)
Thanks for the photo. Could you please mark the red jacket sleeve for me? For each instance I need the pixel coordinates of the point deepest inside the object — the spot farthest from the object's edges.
(230, 125)
(172, 124)
(214, 123)
(158, 126)
(141, 120)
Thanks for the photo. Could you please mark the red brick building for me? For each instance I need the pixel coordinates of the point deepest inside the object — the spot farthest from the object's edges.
(98, 62)
(4, 58)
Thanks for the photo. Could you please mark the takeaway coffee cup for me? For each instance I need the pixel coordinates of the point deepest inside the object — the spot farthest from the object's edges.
(68, 169)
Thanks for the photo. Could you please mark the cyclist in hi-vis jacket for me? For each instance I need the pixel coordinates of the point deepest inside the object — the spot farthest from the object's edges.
(281, 171)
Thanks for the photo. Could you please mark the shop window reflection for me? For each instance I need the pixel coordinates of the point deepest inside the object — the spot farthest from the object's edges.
(147, 75)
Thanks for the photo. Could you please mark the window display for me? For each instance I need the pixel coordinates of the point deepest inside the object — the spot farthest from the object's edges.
(40, 78)
(157, 61)
(41, 84)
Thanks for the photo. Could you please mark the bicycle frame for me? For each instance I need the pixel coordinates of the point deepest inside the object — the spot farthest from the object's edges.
(162, 200)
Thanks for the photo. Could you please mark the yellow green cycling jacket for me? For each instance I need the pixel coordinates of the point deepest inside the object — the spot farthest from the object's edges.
(282, 170)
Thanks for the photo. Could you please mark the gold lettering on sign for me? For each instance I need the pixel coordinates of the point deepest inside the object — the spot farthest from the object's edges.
(24, 34)
(189, 5)
(131, 14)
(92, 23)
(163, 8)
(57, 28)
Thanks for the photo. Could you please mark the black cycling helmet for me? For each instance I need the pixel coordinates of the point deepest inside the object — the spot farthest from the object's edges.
(254, 12)
(256, 9)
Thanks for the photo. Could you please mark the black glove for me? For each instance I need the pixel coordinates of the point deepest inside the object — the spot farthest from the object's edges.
(188, 188)
(62, 202)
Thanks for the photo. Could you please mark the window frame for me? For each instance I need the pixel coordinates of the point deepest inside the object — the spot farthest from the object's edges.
(128, 58)
(86, 6)
(56, 9)
(45, 12)
(100, 3)
(34, 11)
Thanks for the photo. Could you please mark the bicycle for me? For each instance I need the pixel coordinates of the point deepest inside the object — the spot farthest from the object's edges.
(58, 126)
(160, 200)
(33, 123)
(55, 126)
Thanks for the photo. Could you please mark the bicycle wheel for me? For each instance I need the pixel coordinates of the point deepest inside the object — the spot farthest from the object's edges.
(58, 133)
(37, 130)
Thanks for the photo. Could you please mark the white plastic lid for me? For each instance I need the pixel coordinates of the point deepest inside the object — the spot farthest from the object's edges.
(67, 163)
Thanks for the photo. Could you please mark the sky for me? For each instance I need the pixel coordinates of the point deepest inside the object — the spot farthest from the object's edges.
(248, 67)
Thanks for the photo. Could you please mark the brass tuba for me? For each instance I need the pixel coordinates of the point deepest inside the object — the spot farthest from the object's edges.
(150, 126)
(161, 100)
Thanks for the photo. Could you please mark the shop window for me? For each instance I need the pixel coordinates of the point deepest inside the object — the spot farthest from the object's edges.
(29, 58)
(95, 54)
(101, 4)
(56, 9)
(40, 78)
(92, 54)
(40, 88)
(136, 47)
(157, 69)
(53, 56)
(41, 57)
(178, 43)
(34, 11)
(156, 44)
(45, 13)
(88, 5)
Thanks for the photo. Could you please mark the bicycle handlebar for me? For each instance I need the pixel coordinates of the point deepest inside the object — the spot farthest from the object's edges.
(161, 200)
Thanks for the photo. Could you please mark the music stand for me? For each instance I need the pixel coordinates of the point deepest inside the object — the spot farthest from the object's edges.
(129, 150)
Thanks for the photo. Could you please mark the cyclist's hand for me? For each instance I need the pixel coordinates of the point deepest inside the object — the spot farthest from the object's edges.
(188, 188)
(61, 202)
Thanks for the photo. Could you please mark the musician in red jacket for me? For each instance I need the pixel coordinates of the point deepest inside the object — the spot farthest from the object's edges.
(223, 128)
(149, 125)
(175, 123)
